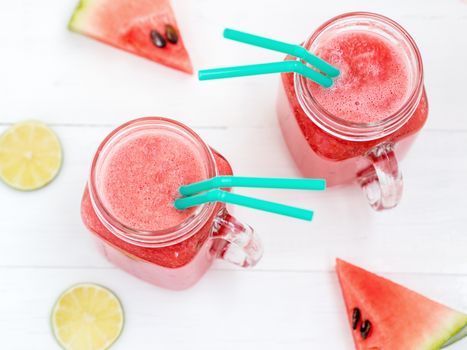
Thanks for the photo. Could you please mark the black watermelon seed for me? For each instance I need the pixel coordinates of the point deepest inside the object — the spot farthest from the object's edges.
(365, 329)
(171, 34)
(157, 39)
(355, 317)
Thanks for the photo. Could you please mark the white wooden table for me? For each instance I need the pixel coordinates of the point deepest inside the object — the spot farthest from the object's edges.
(291, 300)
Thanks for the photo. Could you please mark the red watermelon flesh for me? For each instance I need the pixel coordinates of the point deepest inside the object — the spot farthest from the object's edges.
(400, 319)
(127, 25)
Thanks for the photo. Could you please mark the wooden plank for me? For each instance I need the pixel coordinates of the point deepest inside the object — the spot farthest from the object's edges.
(425, 234)
(228, 309)
(69, 79)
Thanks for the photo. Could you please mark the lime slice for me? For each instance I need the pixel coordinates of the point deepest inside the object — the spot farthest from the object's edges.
(87, 317)
(30, 156)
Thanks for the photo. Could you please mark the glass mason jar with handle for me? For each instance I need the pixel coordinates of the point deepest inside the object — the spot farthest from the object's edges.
(128, 205)
(328, 133)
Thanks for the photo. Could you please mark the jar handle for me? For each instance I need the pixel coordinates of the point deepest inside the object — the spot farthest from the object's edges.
(236, 242)
(381, 180)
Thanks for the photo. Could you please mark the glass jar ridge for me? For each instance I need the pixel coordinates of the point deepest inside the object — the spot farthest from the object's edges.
(150, 239)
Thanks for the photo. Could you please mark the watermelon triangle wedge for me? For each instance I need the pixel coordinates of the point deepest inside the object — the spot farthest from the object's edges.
(384, 315)
(144, 27)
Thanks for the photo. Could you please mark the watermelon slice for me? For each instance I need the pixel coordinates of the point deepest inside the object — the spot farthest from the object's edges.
(144, 27)
(386, 316)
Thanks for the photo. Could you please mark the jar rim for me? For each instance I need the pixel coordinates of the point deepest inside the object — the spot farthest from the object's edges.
(159, 238)
(355, 131)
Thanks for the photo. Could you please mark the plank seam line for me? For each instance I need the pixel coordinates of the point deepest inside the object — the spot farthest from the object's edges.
(50, 267)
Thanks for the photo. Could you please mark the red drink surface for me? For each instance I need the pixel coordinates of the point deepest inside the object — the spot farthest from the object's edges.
(141, 177)
(374, 79)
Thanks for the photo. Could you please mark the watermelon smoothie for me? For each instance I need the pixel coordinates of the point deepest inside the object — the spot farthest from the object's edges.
(353, 130)
(128, 205)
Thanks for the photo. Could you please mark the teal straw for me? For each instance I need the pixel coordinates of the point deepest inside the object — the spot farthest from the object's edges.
(227, 197)
(257, 182)
(290, 49)
(266, 68)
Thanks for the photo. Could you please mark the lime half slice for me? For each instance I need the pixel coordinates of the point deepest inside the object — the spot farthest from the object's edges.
(30, 156)
(87, 317)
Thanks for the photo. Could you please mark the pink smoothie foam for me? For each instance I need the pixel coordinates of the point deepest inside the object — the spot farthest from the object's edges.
(141, 177)
(374, 80)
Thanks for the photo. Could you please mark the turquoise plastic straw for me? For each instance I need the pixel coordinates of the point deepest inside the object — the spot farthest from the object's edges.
(290, 49)
(257, 182)
(266, 68)
(227, 197)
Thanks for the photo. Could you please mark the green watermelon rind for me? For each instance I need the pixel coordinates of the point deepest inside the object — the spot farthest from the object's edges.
(74, 22)
(459, 331)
